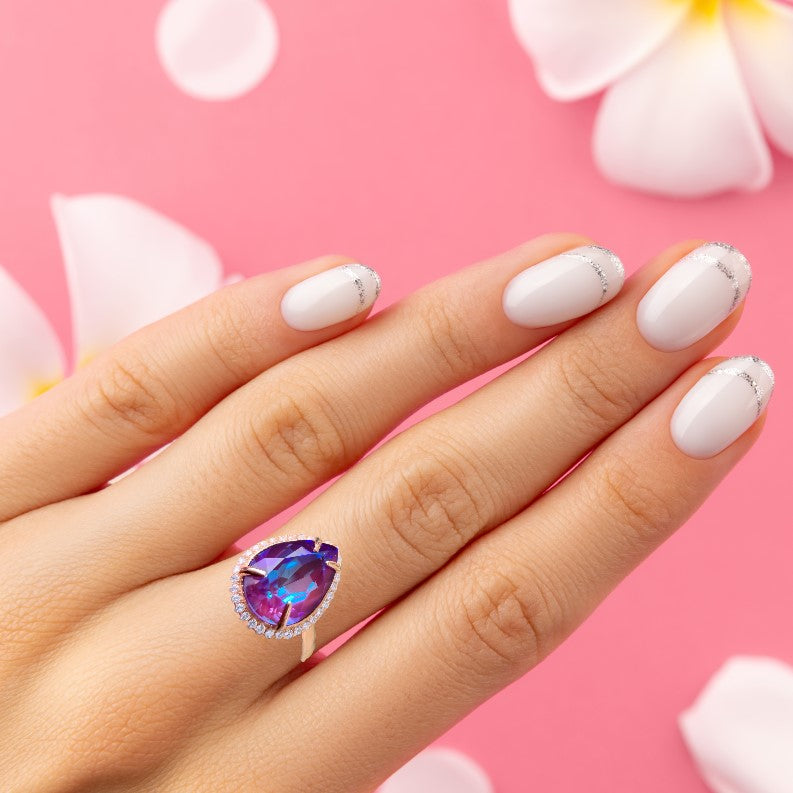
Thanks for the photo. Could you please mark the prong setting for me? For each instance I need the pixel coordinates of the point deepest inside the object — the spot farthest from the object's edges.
(280, 631)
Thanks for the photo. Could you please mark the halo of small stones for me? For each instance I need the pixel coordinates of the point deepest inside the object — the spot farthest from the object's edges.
(241, 607)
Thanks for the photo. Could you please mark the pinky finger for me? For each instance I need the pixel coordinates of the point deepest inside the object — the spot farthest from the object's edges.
(515, 594)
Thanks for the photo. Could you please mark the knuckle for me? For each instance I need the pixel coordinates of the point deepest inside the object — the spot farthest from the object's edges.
(299, 436)
(453, 345)
(228, 327)
(635, 504)
(506, 624)
(127, 392)
(601, 392)
(433, 505)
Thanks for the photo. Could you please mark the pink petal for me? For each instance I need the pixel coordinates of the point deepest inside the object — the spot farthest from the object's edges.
(682, 123)
(127, 266)
(216, 49)
(740, 729)
(439, 771)
(31, 357)
(581, 46)
(763, 35)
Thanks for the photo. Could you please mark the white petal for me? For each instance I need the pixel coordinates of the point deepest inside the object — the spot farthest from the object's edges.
(682, 123)
(216, 49)
(439, 771)
(581, 46)
(127, 266)
(31, 357)
(740, 730)
(762, 31)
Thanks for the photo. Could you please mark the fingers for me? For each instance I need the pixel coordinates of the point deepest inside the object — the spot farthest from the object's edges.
(403, 512)
(155, 384)
(506, 602)
(298, 424)
(413, 504)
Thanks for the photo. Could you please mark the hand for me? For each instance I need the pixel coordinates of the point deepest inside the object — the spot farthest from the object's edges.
(123, 665)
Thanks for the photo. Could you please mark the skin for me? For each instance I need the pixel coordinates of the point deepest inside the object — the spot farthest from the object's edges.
(122, 664)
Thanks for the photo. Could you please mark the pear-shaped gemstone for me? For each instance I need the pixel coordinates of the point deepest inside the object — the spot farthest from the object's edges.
(294, 573)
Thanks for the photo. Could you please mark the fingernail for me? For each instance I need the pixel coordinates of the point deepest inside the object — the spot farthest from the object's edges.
(694, 296)
(330, 297)
(564, 287)
(721, 406)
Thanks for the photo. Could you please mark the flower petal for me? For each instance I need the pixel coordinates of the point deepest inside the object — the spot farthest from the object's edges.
(740, 730)
(216, 49)
(31, 357)
(127, 266)
(682, 123)
(763, 35)
(439, 771)
(581, 46)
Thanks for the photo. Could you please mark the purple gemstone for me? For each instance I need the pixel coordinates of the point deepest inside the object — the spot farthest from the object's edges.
(296, 574)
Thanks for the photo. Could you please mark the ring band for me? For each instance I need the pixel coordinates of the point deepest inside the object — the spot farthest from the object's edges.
(281, 586)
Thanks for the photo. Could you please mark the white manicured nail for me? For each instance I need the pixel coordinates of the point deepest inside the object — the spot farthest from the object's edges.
(694, 296)
(564, 287)
(330, 297)
(722, 406)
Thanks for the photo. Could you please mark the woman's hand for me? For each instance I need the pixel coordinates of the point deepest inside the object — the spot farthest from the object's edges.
(123, 665)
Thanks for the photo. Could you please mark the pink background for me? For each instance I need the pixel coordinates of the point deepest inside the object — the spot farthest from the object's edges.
(412, 135)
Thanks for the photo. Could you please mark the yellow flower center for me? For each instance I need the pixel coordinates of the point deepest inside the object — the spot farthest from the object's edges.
(39, 387)
(710, 10)
(706, 9)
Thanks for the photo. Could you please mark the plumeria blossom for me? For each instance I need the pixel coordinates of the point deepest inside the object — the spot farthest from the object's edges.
(216, 49)
(690, 85)
(740, 729)
(439, 771)
(126, 266)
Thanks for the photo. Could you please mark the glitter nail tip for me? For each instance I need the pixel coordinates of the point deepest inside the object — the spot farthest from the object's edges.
(564, 287)
(330, 297)
(721, 406)
(694, 296)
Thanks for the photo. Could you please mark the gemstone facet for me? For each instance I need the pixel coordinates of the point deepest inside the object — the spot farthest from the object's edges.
(294, 573)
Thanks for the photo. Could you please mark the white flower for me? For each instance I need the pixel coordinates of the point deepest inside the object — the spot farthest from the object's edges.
(688, 85)
(740, 729)
(126, 266)
(439, 771)
(216, 49)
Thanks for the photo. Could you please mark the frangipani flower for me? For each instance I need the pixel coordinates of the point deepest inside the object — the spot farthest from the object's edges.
(216, 49)
(740, 729)
(439, 771)
(126, 266)
(690, 85)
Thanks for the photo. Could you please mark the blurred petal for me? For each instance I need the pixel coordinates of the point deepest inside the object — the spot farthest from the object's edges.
(682, 123)
(581, 46)
(216, 49)
(31, 357)
(740, 730)
(127, 266)
(762, 31)
(439, 771)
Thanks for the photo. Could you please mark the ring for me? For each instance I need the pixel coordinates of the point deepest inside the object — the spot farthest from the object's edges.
(281, 586)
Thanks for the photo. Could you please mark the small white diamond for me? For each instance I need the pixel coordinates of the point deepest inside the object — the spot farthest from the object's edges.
(239, 608)
(259, 629)
(279, 635)
(236, 598)
(289, 634)
(269, 633)
(252, 624)
(313, 618)
(245, 616)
